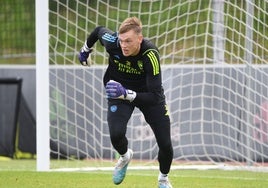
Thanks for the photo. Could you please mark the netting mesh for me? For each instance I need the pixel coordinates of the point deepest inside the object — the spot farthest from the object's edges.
(184, 31)
(214, 56)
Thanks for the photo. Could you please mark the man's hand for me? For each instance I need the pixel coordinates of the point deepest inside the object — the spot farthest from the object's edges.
(115, 90)
(83, 55)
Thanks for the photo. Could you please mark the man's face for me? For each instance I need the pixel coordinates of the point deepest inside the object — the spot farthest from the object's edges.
(130, 43)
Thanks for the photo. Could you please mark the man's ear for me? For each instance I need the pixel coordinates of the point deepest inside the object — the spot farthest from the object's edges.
(140, 38)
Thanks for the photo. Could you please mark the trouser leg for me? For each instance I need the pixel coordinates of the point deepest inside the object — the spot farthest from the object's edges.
(117, 116)
(165, 153)
(158, 119)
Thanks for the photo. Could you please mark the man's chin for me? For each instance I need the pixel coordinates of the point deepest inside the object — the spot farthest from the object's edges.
(126, 54)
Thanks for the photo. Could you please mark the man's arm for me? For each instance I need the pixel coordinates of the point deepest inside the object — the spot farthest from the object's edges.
(93, 37)
(87, 47)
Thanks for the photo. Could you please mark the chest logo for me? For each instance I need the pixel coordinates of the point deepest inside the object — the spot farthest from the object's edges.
(140, 65)
(128, 63)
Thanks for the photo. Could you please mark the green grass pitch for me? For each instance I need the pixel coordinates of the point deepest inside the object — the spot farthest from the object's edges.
(22, 174)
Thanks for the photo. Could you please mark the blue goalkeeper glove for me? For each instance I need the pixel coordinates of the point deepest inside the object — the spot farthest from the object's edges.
(83, 55)
(115, 90)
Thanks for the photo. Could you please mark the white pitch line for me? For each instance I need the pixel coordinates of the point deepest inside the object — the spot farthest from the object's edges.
(179, 167)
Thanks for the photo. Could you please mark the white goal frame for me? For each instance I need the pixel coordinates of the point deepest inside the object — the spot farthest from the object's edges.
(42, 84)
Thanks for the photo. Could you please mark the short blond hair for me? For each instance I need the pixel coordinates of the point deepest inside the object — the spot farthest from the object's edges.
(131, 23)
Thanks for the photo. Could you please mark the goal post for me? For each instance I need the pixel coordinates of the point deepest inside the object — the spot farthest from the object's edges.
(214, 60)
(42, 85)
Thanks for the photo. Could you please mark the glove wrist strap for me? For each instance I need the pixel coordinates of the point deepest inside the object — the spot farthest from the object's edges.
(85, 47)
(130, 95)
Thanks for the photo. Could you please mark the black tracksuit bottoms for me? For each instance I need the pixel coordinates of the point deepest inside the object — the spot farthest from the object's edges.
(118, 115)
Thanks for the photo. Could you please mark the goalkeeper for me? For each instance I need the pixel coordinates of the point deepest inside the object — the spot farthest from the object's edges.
(133, 79)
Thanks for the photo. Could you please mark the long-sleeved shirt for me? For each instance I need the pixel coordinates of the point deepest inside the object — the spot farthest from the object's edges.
(140, 73)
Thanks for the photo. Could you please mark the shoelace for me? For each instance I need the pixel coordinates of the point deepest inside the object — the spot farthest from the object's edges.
(121, 163)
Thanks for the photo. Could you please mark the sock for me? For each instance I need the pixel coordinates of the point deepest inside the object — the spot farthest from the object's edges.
(125, 156)
(162, 176)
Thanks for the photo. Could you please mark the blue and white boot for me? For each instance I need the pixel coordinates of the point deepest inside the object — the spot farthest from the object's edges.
(163, 181)
(121, 167)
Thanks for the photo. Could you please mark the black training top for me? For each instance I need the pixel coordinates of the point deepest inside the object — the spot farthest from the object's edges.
(140, 73)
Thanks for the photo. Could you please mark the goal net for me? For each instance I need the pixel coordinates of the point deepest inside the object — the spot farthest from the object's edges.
(214, 60)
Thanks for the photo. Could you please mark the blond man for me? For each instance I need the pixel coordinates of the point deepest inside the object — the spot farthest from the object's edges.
(133, 80)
